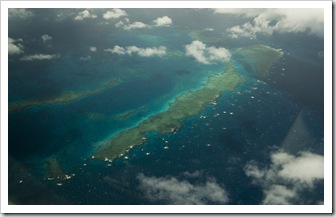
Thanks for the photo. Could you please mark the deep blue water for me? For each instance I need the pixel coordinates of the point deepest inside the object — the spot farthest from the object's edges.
(246, 124)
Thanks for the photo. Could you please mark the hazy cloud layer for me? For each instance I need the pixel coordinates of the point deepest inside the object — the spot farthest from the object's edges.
(173, 191)
(19, 13)
(46, 37)
(14, 47)
(163, 21)
(114, 14)
(40, 57)
(207, 55)
(246, 12)
(287, 176)
(84, 15)
(266, 21)
(144, 52)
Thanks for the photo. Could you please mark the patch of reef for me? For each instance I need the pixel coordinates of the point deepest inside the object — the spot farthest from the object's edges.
(257, 59)
(65, 98)
(128, 114)
(55, 171)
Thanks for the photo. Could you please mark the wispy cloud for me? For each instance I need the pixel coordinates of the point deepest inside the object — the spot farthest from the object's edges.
(19, 12)
(46, 37)
(170, 190)
(114, 14)
(287, 176)
(93, 49)
(245, 12)
(155, 51)
(207, 55)
(85, 58)
(84, 15)
(40, 57)
(14, 47)
(144, 52)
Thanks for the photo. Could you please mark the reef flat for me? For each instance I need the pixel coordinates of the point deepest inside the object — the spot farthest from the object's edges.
(186, 105)
(125, 115)
(55, 170)
(129, 113)
(65, 98)
(257, 59)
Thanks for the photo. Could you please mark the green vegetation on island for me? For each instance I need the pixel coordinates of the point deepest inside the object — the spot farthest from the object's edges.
(187, 105)
(68, 97)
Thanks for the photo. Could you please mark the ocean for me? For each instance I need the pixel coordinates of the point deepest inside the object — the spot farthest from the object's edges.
(244, 125)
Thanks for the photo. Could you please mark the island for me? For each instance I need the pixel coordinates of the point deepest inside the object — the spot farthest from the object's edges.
(65, 98)
(186, 105)
(189, 104)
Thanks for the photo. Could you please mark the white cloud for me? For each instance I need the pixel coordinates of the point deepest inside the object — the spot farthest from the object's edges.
(144, 52)
(173, 191)
(85, 58)
(119, 24)
(305, 169)
(247, 30)
(46, 37)
(14, 47)
(207, 55)
(93, 49)
(84, 15)
(163, 21)
(266, 21)
(160, 21)
(19, 12)
(155, 51)
(132, 49)
(135, 25)
(279, 195)
(252, 170)
(114, 13)
(129, 26)
(287, 176)
(196, 49)
(299, 20)
(40, 57)
(117, 50)
(209, 29)
(220, 54)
